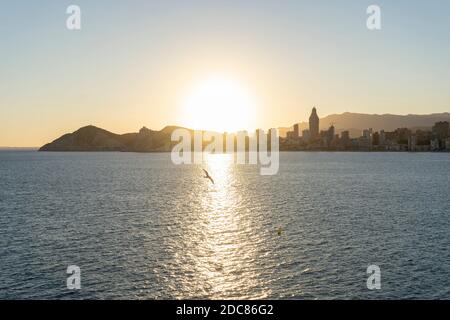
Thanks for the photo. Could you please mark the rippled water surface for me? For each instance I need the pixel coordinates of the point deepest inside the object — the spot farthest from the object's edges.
(140, 227)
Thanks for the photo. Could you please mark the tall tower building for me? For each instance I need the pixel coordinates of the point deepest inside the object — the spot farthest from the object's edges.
(314, 124)
(296, 130)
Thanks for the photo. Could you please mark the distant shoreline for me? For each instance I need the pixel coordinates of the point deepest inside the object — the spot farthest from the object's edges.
(19, 148)
(281, 151)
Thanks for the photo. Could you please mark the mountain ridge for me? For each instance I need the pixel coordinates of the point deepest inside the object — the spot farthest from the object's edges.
(92, 138)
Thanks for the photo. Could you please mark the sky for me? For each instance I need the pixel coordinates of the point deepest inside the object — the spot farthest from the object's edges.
(140, 63)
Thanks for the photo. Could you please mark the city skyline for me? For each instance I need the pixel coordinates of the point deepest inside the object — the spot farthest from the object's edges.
(436, 138)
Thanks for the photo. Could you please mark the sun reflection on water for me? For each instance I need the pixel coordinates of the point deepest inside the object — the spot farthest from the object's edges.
(223, 246)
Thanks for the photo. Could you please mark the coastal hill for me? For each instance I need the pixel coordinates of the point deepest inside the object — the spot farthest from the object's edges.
(356, 122)
(91, 138)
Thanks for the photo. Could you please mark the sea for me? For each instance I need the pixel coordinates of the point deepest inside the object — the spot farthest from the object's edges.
(137, 226)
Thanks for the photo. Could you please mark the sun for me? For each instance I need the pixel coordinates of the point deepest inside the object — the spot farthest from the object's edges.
(219, 103)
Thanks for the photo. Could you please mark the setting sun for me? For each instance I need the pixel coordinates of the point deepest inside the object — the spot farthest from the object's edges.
(219, 104)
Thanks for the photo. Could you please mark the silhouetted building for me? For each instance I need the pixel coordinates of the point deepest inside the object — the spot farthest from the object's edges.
(440, 129)
(423, 137)
(412, 142)
(258, 132)
(331, 131)
(314, 124)
(270, 133)
(434, 145)
(296, 131)
(376, 139)
(402, 135)
(330, 135)
(382, 139)
(291, 135)
(345, 138)
(365, 141)
(306, 136)
(367, 134)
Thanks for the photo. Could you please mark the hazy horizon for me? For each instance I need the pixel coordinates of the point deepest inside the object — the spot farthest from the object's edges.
(217, 66)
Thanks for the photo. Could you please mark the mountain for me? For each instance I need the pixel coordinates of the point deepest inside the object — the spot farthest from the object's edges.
(356, 122)
(91, 138)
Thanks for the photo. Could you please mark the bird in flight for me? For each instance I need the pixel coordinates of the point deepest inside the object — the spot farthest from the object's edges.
(207, 176)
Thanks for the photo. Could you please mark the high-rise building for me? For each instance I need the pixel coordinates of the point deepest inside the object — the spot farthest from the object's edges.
(402, 135)
(441, 129)
(434, 144)
(447, 144)
(314, 124)
(412, 142)
(306, 136)
(376, 139)
(290, 135)
(331, 133)
(296, 131)
(258, 133)
(382, 141)
(368, 135)
(345, 135)
(345, 138)
(365, 141)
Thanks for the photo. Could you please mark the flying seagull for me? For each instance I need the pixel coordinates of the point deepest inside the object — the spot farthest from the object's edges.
(207, 176)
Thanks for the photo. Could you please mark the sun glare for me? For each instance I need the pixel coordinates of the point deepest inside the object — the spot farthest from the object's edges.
(219, 104)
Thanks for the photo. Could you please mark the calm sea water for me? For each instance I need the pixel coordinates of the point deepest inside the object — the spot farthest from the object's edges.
(140, 227)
